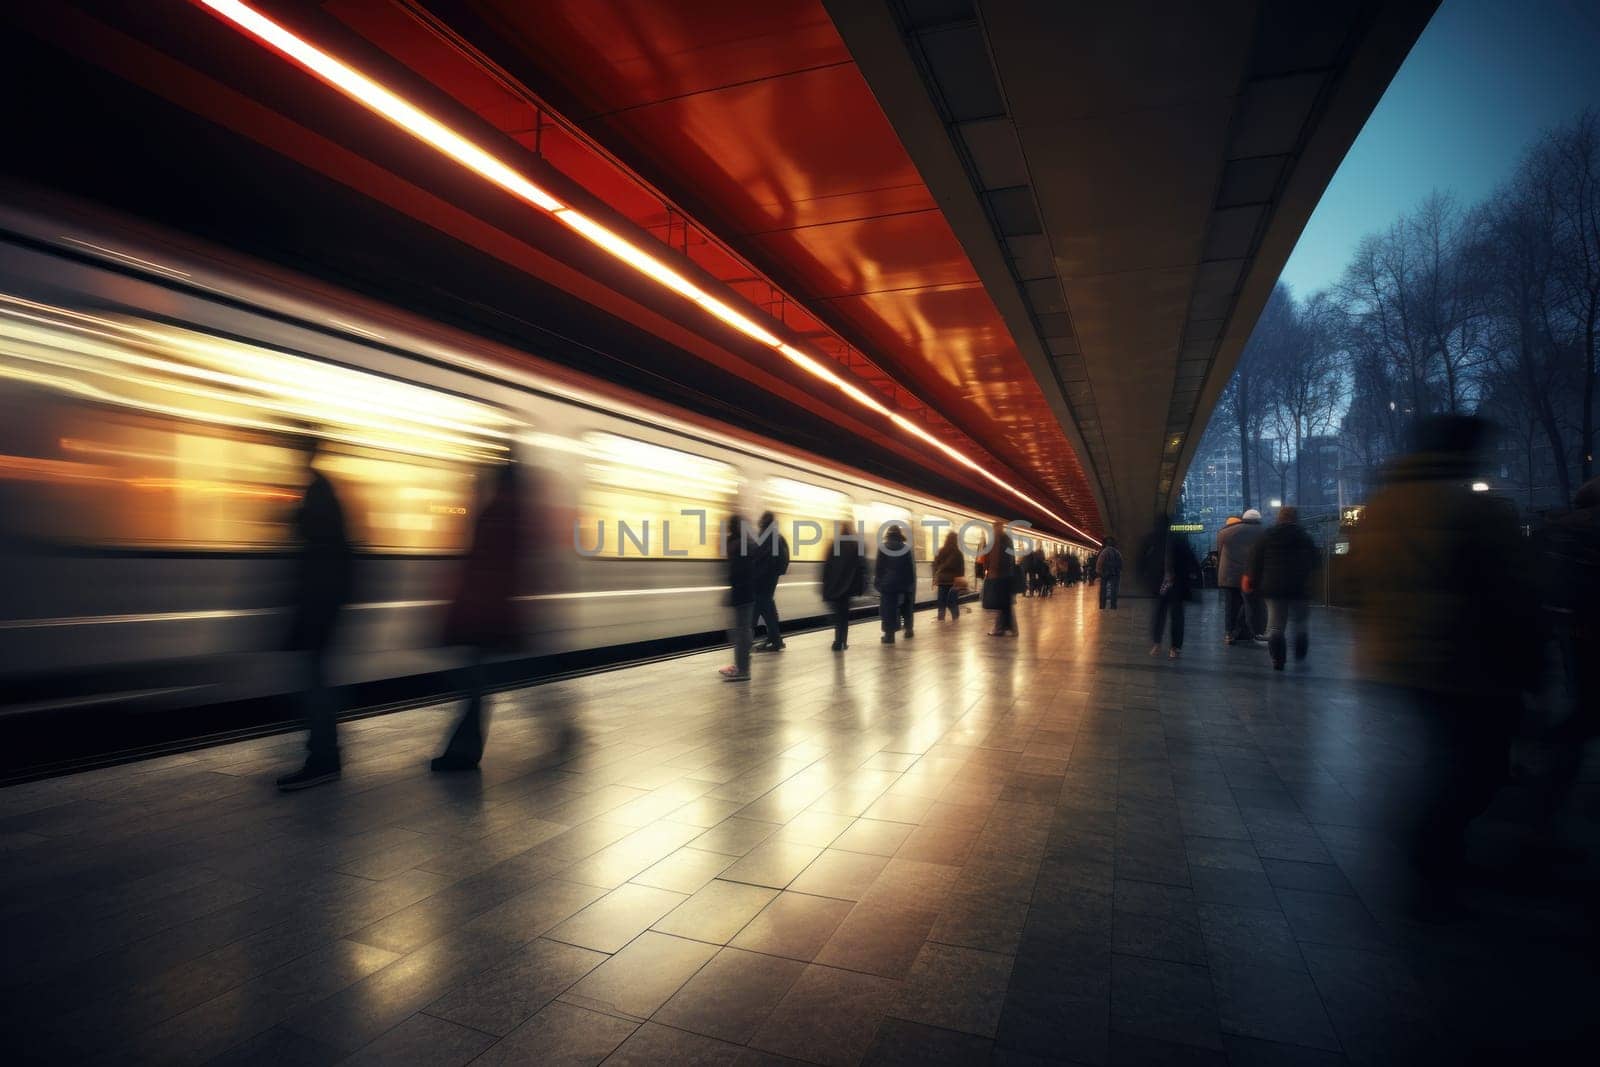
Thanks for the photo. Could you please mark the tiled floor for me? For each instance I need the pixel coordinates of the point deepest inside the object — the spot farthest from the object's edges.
(956, 849)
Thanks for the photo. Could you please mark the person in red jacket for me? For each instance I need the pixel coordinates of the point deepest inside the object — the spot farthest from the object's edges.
(483, 614)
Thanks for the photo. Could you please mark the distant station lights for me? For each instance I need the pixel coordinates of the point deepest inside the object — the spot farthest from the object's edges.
(425, 128)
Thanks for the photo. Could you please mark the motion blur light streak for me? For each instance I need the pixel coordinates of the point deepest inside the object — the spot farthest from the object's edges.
(377, 99)
(429, 130)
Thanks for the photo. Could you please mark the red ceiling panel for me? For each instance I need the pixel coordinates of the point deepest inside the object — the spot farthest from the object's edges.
(871, 255)
(755, 117)
(626, 53)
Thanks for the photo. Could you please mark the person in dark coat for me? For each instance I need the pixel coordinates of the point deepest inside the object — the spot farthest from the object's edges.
(769, 561)
(741, 599)
(483, 612)
(844, 577)
(948, 566)
(1074, 570)
(1109, 564)
(1171, 571)
(323, 578)
(1280, 573)
(1452, 642)
(1001, 576)
(895, 579)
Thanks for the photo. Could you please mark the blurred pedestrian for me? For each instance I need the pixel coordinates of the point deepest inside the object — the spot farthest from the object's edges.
(1280, 573)
(844, 578)
(1001, 577)
(1452, 640)
(324, 569)
(769, 561)
(1110, 567)
(741, 599)
(894, 576)
(1170, 571)
(1074, 570)
(1091, 568)
(483, 613)
(948, 566)
(1236, 546)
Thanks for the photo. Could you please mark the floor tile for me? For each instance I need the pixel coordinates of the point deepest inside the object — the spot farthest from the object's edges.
(955, 988)
(685, 871)
(1164, 1000)
(731, 996)
(717, 912)
(499, 999)
(424, 1041)
(874, 837)
(773, 864)
(829, 1016)
(643, 976)
(616, 918)
(793, 925)
(561, 1035)
(839, 874)
(900, 1042)
(877, 940)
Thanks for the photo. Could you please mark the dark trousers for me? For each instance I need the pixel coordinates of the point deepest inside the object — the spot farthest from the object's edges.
(1007, 619)
(895, 611)
(1463, 758)
(1232, 605)
(320, 710)
(1110, 586)
(766, 611)
(1168, 605)
(840, 611)
(466, 742)
(949, 598)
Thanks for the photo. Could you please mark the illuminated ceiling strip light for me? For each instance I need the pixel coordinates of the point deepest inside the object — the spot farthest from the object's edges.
(431, 131)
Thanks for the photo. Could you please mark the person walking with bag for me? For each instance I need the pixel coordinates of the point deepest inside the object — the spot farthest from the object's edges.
(949, 567)
(483, 613)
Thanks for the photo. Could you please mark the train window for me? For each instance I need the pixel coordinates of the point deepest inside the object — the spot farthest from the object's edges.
(797, 505)
(634, 496)
(130, 433)
(874, 518)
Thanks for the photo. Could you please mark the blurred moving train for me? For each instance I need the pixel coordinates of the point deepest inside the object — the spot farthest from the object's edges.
(149, 401)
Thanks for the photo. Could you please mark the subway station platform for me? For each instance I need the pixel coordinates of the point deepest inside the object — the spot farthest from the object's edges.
(957, 849)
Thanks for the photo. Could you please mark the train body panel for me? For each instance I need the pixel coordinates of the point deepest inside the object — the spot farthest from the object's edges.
(146, 401)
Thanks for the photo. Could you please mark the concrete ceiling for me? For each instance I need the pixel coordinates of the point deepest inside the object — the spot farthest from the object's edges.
(1128, 181)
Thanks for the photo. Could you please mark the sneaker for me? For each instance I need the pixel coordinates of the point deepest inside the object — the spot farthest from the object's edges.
(733, 674)
(449, 762)
(1174, 653)
(306, 777)
(767, 647)
(997, 633)
(886, 639)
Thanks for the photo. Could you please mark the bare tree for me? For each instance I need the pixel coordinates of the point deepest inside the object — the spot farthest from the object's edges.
(1574, 159)
(1247, 399)
(1522, 233)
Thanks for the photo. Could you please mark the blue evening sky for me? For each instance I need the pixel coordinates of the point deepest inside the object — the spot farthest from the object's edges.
(1482, 82)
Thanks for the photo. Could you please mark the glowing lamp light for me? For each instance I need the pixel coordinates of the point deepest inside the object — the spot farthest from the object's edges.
(413, 120)
(1480, 487)
(1275, 504)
